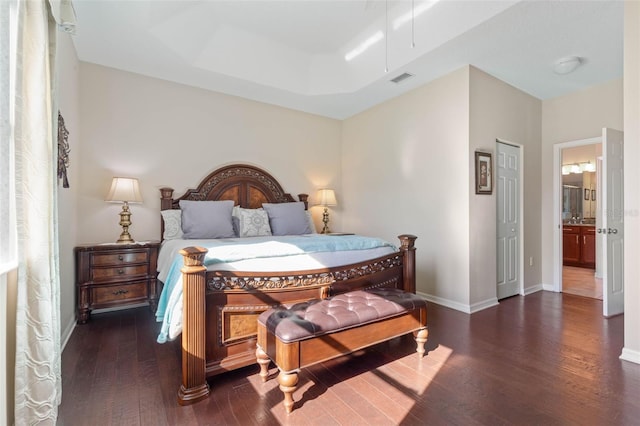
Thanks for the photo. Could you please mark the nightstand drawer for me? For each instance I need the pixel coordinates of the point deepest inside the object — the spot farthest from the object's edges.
(119, 258)
(123, 272)
(106, 295)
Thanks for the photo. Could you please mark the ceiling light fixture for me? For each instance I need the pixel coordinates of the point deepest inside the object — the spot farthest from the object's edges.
(358, 50)
(577, 168)
(567, 65)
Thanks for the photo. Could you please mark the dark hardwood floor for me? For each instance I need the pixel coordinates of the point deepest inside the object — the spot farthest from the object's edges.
(543, 359)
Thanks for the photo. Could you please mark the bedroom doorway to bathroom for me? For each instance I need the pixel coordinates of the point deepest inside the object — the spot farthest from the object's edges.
(508, 219)
(607, 230)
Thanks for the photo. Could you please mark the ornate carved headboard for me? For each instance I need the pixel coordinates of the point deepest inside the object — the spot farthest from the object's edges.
(248, 186)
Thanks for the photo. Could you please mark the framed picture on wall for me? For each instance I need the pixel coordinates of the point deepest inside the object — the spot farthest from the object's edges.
(484, 173)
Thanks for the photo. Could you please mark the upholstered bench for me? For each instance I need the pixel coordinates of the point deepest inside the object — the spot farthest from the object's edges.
(318, 330)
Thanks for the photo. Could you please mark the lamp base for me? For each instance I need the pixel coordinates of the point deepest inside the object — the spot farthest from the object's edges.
(325, 220)
(125, 222)
(125, 238)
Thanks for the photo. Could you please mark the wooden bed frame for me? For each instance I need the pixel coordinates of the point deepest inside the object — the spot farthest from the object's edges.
(220, 308)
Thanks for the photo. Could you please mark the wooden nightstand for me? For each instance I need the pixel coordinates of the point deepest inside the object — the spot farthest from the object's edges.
(113, 275)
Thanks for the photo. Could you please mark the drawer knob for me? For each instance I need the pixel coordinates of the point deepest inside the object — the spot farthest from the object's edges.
(120, 271)
(120, 257)
(119, 292)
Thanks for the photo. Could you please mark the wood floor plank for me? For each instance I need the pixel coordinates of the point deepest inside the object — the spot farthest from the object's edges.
(546, 358)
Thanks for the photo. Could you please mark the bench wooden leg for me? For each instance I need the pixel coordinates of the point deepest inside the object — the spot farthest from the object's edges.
(288, 382)
(421, 339)
(263, 360)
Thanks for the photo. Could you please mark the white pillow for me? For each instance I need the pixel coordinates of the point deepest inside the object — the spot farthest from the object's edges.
(312, 225)
(252, 222)
(172, 224)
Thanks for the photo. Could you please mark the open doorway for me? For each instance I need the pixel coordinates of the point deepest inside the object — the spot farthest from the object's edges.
(609, 221)
(581, 189)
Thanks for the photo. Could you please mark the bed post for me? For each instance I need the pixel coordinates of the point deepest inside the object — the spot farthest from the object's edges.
(407, 247)
(194, 385)
(166, 198)
(305, 199)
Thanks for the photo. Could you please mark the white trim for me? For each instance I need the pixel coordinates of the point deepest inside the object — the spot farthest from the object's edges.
(446, 302)
(66, 334)
(549, 287)
(630, 355)
(557, 210)
(533, 289)
(467, 309)
(480, 306)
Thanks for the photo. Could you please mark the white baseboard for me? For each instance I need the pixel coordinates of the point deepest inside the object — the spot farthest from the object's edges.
(533, 289)
(479, 306)
(66, 334)
(446, 302)
(467, 309)
(476, 307)
(630, 355)
(548, 287)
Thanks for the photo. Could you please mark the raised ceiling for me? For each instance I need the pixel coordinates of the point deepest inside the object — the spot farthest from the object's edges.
(292, 53)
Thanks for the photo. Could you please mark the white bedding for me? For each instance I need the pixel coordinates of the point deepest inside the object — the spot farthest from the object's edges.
(299, 262)
(170, 302)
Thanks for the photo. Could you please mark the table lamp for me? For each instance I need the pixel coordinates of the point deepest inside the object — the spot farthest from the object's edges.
(326, 198)
(124, 190)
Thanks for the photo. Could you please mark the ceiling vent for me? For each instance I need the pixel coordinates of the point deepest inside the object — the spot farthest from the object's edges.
(401, 77)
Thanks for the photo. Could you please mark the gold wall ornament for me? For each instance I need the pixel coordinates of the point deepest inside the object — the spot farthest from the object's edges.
(63, 151)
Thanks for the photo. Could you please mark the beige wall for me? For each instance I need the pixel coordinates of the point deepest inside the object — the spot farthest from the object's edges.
(167, 134)
(405, 170)
(631, 349)
(68, 104)
(500, 111)
(408, 168)
(7, 345)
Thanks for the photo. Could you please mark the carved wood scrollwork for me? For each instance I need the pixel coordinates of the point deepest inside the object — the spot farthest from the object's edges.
(63, 151)
(266, 282)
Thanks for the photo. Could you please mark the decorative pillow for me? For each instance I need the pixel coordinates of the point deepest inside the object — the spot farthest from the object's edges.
(312, 225)
(235, 220)
(207, 219)
(287, 218)
(172, 224)
(253, 222)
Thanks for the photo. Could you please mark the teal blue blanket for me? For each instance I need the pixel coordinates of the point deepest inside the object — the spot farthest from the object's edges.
(235, 249)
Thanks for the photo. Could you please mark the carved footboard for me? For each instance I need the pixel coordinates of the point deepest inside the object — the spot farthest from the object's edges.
(221, 307)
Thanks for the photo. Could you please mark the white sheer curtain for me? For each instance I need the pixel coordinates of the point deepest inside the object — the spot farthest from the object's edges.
(38, 382)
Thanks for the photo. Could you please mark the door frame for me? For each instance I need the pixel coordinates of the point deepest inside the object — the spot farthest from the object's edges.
(557, 205)
(520, 213)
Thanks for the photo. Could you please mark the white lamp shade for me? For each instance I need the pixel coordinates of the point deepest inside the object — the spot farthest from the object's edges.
(326, 197)
(124, 189)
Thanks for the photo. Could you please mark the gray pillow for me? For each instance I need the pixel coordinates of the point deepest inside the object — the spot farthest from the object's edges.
(287, 218)
(207, 219)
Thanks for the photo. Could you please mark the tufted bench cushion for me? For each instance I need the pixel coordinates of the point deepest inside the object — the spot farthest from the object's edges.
(355, 308)
(318, 330)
